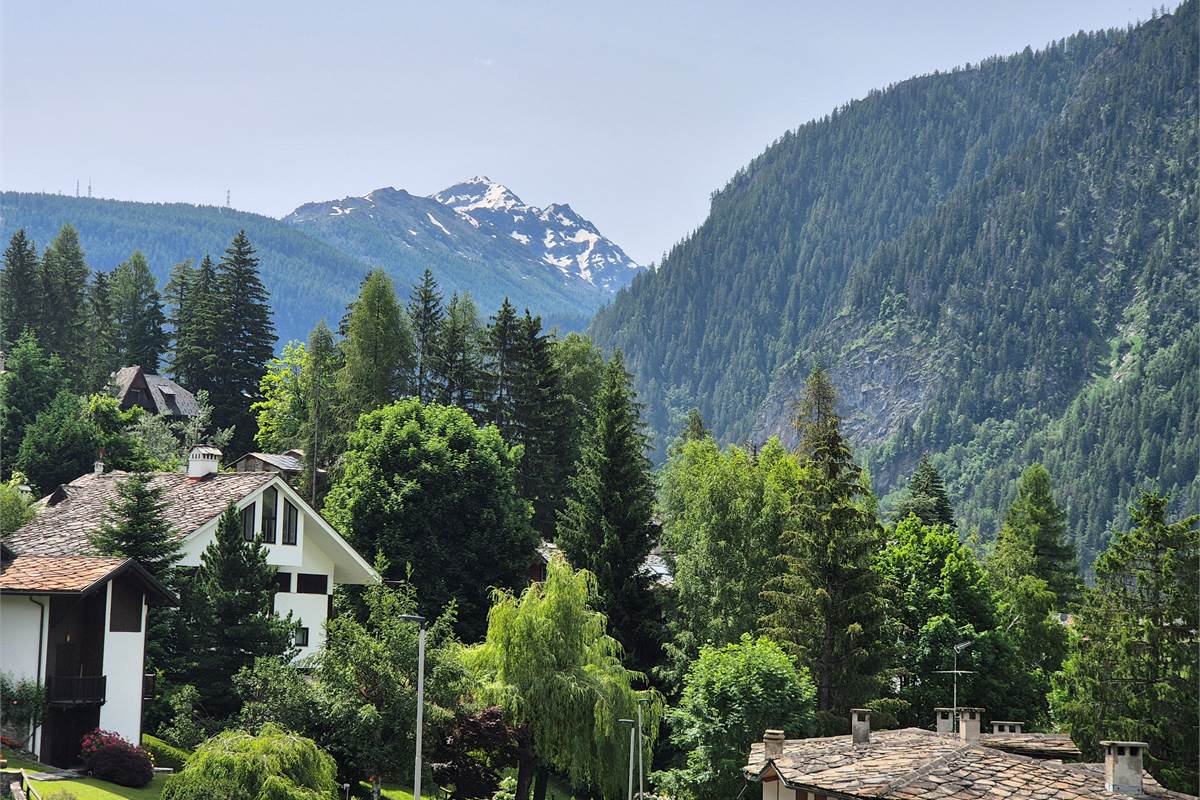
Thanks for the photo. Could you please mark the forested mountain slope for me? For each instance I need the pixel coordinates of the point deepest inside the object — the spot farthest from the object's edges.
(307, 278)
(998, 264)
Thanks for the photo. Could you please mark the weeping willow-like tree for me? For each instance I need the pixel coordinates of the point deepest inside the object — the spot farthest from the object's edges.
(550, 664)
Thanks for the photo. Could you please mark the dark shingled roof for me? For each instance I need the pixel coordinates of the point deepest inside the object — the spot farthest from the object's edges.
(916, 764)
(168, 397)
(64, 528)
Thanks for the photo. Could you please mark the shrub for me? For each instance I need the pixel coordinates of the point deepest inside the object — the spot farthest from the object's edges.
(109, 757)
(164, 754)
(184, 728)
(237, 765)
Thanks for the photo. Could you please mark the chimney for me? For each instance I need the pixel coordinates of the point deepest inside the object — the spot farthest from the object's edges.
(968, 723)
(1006, 726)
(860, 725)
(772, 744)
(98, 466)
(945, 719)
(203, 462)
(1123, 766)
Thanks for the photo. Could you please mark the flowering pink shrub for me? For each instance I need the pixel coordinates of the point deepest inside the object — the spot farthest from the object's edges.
(109, 757)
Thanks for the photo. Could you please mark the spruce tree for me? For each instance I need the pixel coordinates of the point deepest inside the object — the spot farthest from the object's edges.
(136, 527)
(31, 380)
(63, 279)
(1131, 668)
(503, 353)
(539, 420)
(321, 434)
(232, 605)
(825, 606)
(462, 342)
(197, 319)
(605, 525)
(138, 314)
(378, 351)
(926, 496)
(100, 350)
(20, 298)
(246, 338)
(694, 429)
(1033, 540)
(426, 313)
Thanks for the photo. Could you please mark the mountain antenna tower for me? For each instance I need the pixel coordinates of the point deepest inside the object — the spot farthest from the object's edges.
(227, 198)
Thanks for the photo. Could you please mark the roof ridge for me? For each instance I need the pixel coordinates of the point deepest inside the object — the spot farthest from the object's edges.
(924, 769)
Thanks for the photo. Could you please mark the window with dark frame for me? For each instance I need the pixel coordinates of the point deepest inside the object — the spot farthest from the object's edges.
(309, 583)
(300, 636)
(291, 521)
(270, 503)
(283, 582)
(248, 523)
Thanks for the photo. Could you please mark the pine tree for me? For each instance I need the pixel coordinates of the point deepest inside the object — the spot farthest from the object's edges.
(462, 343)
(1033, 540)
(136, 527)
(31, 380)
(246, 340)
(321, 433)
(100, 351)
(426, 313)
(138, 314)
(20, 298)
(539, 420)
(926, 496)
(378, 351)
(504, 343)
(825, 606)
(232, 605)
(63, 280)
(605, 525)
(1131, 669)
(694, 429)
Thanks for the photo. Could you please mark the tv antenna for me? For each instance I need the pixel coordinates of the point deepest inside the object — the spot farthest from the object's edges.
(958, 648)
(227, 198)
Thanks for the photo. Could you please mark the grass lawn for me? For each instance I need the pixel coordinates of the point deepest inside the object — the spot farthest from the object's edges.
(392, 791)
(88, 788)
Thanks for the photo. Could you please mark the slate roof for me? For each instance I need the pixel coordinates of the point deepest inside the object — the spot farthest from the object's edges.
(915, 763)
(284, 462)
(1037, 745)
(67, 519)
(168, 397)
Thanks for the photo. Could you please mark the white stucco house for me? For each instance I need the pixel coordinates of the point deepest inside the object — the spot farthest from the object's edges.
(75, 622)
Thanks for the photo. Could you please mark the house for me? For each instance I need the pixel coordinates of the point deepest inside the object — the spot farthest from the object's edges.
(290, 463)
(914, 763)
(311, 558)
(77, 626)
(155, 393)
(655, 567)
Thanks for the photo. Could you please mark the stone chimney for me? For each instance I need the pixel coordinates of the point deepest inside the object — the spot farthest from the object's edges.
(945, 719)
(1007, 726)
(860, 725)
(98, 466)
(772, 743)
(968, 723)
(203, 462)
(1123, 766)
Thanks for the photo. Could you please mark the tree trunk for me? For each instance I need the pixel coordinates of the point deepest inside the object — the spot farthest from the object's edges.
(524, 776)
(541, 777)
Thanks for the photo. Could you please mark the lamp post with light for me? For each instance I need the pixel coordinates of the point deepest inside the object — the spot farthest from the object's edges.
(632, 734)
(417, 618)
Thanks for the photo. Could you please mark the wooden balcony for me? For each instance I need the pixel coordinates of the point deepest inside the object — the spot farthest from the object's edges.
(64, 690)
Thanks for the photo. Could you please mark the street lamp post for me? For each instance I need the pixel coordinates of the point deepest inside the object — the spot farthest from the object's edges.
(417, 618)
(632, 734)
(641, 748)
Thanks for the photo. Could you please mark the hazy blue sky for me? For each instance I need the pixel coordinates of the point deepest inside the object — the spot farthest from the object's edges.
(631, 112)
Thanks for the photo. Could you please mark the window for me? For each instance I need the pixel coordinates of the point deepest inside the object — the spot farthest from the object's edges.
(307, 583)
(270, 503)
(291, 521)
(300, 636)
(125, 613)
(283, 581)
(248, 523)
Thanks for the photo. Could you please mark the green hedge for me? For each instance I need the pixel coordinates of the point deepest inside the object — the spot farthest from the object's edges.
(164, 753)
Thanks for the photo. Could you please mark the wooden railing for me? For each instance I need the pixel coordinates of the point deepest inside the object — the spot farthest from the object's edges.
(70, 690)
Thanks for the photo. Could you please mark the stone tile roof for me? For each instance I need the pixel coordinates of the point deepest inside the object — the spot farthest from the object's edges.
(56, 573)
(915, 763)
(64, 527)
(168, 397)
(281, 461)
(1037, 745)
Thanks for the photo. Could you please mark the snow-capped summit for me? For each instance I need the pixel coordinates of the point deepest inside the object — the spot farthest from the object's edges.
(555, 236)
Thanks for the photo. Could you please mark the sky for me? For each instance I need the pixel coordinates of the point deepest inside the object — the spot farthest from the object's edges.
(632, 112)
